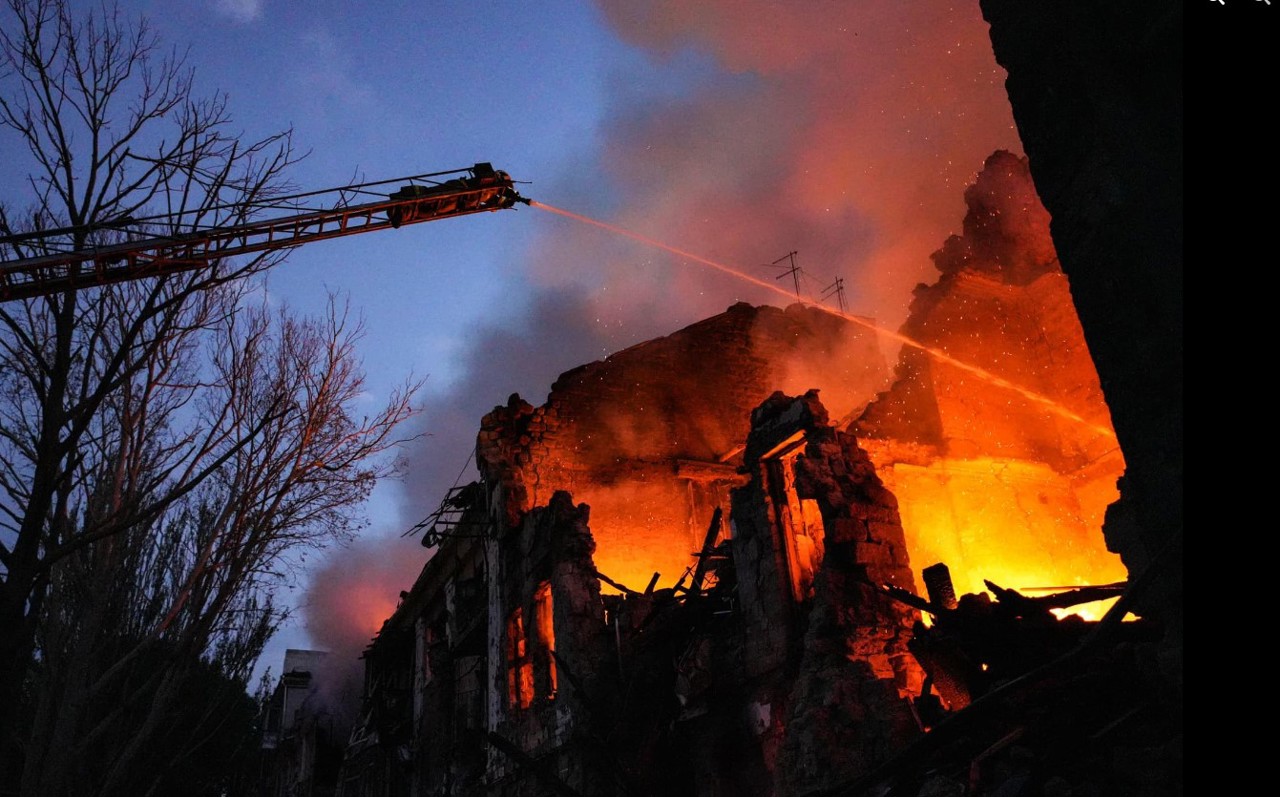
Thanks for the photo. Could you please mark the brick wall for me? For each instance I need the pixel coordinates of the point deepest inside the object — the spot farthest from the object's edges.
(613, 432)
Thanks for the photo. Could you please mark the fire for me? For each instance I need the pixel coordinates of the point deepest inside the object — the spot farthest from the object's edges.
(994, 438)
(1017, 524)
(364, 606)
(633, 526)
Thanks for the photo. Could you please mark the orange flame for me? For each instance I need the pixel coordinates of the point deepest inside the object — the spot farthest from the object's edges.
(1012, 520)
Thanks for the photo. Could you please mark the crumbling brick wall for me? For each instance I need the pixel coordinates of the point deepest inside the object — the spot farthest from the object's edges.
(825, 674)
(450, 621)
(1001, 304)
(548, 559)
(840, 660)
(620, 434)
(993, 481)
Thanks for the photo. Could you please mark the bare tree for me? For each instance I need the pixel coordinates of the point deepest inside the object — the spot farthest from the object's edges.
(158, 413)
(128, 620)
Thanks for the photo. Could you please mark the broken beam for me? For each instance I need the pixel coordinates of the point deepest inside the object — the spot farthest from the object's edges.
(708, 544)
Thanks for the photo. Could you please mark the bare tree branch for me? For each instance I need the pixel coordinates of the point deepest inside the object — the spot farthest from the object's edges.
(164, 445)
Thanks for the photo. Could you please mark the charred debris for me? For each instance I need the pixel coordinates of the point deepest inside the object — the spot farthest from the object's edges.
(791, 656)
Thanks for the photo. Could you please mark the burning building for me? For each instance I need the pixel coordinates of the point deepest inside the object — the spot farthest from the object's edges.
(691, 572)
(1000, 451)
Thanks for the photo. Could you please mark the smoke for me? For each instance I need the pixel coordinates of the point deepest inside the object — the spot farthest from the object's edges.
(843, 131)
(347, 600)
(849, 137)
(522, 355)
(1005, 236)
(1006, 229)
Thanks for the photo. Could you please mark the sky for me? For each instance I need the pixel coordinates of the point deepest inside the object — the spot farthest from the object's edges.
(738, 131)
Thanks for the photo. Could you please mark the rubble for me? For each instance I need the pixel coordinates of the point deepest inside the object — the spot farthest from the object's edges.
(772, 664)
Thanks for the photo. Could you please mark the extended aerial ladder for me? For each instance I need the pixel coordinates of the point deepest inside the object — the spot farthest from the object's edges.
(424, 197)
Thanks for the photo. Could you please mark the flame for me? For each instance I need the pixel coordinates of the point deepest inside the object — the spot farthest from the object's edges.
(1016, 523)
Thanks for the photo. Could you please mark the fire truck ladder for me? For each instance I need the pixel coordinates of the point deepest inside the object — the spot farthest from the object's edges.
(459, 192)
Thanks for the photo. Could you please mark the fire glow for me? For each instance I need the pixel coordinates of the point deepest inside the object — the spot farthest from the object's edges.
(1008, 518)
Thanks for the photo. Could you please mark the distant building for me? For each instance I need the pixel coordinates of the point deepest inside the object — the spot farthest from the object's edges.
(301, 740)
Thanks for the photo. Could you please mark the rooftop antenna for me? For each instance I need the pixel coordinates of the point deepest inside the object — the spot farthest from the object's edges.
(794, 271)
(837, 288)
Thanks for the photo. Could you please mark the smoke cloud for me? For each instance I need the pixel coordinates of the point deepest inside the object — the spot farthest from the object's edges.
(349, 596)
(849, 136)
(1006, 229)
(846, 132)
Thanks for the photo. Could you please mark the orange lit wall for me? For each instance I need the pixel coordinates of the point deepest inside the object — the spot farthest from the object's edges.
(1007, 490)
(650, 436)
(1017, 523)
(643, 527)
(995, 484)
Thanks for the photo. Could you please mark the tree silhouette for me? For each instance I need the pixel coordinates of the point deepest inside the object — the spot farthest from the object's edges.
(166, 445)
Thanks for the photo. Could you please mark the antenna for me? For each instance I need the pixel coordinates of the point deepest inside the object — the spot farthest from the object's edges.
(837, 288)
(794, 271)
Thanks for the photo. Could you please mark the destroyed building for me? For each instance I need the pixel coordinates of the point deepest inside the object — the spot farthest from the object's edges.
(965, 437)
(691, 570)
(301, 738)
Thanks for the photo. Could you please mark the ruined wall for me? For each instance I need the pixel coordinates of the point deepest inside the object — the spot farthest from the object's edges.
(994, 481)
(638, 436)
(553, 646)
(836, 702)
(795, 675)
(1027, 335)
(790, 674)
(420, 728)
(450, 667)
(1003, 306)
